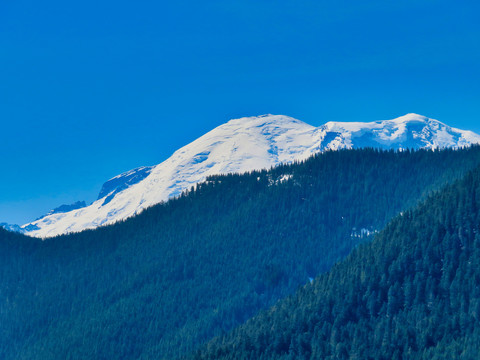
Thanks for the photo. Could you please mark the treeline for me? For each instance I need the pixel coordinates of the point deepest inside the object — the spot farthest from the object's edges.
(160, 284)
(413, 293)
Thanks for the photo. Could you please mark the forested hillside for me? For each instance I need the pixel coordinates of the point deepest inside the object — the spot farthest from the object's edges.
(413, 293)
(161, 283)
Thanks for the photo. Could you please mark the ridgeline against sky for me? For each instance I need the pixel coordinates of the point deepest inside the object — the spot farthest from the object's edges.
(242, 145)
(93, 89)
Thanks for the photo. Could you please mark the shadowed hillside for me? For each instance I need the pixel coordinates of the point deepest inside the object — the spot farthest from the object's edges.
(160, 284)
(413, 293)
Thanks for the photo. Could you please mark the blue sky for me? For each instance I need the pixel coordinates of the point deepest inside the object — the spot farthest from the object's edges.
(89, 89)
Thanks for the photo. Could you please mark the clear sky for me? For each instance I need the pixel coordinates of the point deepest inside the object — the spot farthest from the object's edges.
(89, 89)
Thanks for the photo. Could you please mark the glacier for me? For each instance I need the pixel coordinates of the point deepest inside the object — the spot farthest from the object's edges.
(240, 145)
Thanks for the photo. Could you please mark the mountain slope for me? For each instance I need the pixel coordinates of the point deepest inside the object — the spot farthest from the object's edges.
(243, 145)
(159, 284)
(413, 293)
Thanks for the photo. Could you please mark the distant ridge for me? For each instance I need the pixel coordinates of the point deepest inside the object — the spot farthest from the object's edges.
(240, 145)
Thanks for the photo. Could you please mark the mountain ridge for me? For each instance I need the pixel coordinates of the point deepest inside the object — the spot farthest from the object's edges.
(181, 272)
(240, 145)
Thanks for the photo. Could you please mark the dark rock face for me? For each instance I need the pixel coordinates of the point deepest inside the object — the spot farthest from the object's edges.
(122, 182)
(65, 208)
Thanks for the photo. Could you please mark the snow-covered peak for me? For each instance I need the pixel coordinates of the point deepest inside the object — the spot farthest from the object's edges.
(241, 145)
(249, 143)
(263, 120)
(411, 131)
(412, 117)
(237, 146)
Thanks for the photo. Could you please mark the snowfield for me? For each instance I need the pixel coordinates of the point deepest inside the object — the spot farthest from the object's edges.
(243, 145)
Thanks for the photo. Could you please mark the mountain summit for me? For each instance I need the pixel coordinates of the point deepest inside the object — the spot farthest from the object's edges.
(241, 145)
(410, 131)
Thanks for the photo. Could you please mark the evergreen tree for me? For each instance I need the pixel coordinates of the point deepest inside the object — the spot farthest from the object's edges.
(160, 284)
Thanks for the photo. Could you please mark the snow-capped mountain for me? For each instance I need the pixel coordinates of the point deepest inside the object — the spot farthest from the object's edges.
(242, 145)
